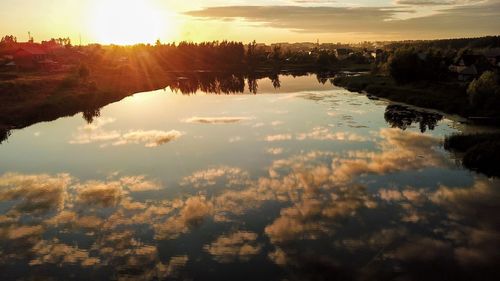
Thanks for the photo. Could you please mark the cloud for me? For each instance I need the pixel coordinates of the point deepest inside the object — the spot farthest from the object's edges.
(317, 133)
(151, 138)
(237, 202)
(279, 257)
(314, 216)
(478, 239)
(73, 207)
(240, 246)
(235, 139)
(398, 147)
(311, 19)
(91, 133)
(275, 150)
(230, 176)
(434, 250)
(57, 253)
(217, 120)
(23, 232)
(279, 137)
(139, 183)
(457, 20)
(103, 194)
(95, 133)
(322, 133)
(435, 2)
(195, 209)
(34, 193)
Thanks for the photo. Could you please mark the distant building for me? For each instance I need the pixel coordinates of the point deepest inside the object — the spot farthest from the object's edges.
(468, 66)
(493, 56)
(30, 57)
(342, 53)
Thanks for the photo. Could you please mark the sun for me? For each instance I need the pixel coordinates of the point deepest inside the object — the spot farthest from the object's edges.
(128, 22)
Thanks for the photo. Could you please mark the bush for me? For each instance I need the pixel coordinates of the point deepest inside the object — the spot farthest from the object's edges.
(408, 65)
(484, 158)
(69, 82)
(403, 65)
(481, 152)
(483, 89)
(83, 72)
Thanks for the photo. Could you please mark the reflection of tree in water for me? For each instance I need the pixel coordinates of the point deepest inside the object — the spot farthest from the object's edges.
(275, 78)
(220, 83)
(90, 114)
(217, 83)
(4, 135)
(253, 86)
(323, 77)
(402, 117)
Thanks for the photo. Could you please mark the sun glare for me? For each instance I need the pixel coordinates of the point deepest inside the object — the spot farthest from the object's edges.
(128, 22)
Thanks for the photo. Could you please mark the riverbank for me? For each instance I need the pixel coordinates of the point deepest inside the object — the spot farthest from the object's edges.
(33, 97)
(478, 152)
(27, 98)
(448, 97)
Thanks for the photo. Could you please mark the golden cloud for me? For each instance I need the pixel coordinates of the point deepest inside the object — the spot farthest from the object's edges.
(217, 120)
(240, 246)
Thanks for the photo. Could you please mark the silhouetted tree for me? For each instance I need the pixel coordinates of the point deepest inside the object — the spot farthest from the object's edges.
(4, 135)
(83, 72)
(8, 39)
(275, 79)
(276, 56)
(484, 89)
(90, 114)
(403, 65)
(402, 117)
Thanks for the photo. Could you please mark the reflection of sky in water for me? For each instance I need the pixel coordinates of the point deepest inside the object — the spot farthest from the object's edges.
(310, 182)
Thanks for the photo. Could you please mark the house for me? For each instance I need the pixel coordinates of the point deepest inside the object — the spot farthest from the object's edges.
(493, 56)
(342, 53)
(466, 73)
(29, 57)
(379, 55)
(469, 66)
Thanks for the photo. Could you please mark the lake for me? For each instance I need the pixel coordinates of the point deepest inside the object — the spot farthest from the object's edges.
(302, 181)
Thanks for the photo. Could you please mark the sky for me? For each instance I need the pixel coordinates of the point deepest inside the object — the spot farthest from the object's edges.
(135, 21)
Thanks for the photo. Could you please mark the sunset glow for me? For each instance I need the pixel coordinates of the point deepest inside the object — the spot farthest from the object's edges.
(134, 21)
(249, 140)
(128, 22)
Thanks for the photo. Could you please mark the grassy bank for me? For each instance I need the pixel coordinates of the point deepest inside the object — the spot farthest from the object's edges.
(446, 97)
(33, 97)
(480, 152)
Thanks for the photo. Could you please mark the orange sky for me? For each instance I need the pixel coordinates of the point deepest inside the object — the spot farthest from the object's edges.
(134, 21)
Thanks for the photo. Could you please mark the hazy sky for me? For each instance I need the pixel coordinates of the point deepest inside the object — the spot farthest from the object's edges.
(132, 21)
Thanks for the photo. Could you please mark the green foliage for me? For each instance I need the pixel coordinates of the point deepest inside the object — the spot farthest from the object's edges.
(277, 55)
(83, 72)
(484, 89)
(402, 65)
(4, 134)
(69, 82)
(325, 59)
(409, 65)
(459, 43)
(481, 152)
(8, 39)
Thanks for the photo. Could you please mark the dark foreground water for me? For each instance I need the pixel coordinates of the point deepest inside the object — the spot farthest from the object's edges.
(307, 182)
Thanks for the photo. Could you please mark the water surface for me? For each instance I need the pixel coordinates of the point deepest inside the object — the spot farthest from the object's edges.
(306, 181)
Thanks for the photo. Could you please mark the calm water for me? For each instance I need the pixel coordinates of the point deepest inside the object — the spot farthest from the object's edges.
(305, 182)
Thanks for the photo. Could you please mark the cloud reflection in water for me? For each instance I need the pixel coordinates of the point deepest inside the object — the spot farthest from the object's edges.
(321, 206)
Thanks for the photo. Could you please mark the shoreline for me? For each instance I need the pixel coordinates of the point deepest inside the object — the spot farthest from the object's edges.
(448, 98)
